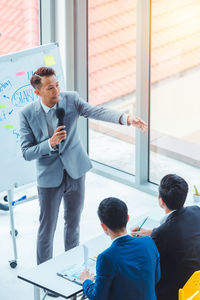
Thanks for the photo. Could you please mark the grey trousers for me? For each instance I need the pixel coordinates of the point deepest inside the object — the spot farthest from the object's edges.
(73, 192)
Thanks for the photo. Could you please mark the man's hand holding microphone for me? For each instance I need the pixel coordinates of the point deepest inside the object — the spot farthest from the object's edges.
(59, 134)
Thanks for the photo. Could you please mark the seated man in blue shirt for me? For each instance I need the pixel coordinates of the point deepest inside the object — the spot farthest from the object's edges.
(130, 268)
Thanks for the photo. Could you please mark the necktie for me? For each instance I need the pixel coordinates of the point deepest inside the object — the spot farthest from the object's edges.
(50, 121)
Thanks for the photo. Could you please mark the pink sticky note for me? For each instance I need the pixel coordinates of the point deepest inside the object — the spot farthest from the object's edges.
(20, 73)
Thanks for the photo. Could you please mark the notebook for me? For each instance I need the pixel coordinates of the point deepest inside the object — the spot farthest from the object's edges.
(72, 272)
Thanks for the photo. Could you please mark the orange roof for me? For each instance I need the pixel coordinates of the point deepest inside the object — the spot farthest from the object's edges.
(18, 25)
(112, 44)
(112, 40)
(112, 51)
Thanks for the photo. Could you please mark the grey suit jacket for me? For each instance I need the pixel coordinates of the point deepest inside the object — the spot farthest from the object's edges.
(71, 155)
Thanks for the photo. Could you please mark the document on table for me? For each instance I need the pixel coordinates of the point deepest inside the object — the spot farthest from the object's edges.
(72, 272)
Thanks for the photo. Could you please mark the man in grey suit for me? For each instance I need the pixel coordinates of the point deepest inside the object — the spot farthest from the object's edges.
(60, 158)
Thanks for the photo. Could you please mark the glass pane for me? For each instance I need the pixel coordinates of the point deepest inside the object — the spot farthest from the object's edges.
(175, 93)
(112, 79)
(19, 23)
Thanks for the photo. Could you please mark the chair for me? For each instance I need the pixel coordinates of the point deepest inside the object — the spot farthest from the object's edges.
(191, 290)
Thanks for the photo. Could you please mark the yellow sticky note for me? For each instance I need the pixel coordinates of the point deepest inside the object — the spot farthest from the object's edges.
(8, 126)
(2, 105)
(49, 60)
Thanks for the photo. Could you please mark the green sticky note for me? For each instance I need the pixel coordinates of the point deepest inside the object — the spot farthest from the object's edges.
(49, 60)
(8, 126)
(2, 105)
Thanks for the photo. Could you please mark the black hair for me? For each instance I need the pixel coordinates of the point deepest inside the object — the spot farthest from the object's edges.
(113, 212)
(38, 74)
(173, 190)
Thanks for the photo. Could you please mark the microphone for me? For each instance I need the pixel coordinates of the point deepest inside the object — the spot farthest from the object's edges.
(60, 113)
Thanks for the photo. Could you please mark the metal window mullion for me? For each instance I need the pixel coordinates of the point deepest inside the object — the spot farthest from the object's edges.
(70, 29)
(81, 61)
(47, 21)
(142, 88)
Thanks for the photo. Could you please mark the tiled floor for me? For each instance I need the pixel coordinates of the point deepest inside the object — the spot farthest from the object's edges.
(26, 222)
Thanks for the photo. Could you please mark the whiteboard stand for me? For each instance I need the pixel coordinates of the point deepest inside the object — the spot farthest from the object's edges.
(13, 231)
(13, 263)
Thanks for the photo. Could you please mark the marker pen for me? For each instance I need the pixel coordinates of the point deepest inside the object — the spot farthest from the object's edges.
(18, 200)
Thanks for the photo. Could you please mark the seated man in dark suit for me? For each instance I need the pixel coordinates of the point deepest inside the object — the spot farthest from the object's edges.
(177, 238)
(129, 269)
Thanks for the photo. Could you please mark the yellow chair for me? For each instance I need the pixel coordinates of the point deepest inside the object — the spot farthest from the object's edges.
(191, 290)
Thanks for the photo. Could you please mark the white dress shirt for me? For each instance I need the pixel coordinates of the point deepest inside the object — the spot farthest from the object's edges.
(166, 216)
(119, 237)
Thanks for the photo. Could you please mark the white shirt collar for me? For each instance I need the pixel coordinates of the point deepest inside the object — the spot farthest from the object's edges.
(166, 216)
(47, 108)
(119, 237)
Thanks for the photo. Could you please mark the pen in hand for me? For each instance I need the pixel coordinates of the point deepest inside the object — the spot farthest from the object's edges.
(141, 225)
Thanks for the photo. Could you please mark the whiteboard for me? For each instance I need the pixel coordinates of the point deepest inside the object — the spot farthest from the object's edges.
(15, 92)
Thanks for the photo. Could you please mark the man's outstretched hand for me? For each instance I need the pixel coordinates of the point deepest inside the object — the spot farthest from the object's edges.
(138, 123)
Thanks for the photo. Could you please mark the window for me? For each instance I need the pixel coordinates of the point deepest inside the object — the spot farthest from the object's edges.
(112, 79)
(18, 25)
(175, 93)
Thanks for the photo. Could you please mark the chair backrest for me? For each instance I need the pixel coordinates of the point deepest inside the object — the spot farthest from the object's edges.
(191, 290)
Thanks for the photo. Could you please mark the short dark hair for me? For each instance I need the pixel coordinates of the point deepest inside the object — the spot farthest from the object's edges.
(113, 212)
(173, 190)
(38, 74)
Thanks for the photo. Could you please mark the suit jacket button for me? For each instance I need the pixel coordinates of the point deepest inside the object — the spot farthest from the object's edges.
(60, 154)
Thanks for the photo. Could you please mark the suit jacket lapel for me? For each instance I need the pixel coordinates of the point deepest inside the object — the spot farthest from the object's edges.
(41, 118)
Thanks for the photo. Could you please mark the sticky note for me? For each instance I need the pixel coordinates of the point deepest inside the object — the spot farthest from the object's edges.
(2, 105)
(8, 126)
(49, 60)
(20, 73)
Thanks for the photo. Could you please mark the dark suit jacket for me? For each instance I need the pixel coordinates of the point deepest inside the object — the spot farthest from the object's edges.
(178, 242)
(128, 270)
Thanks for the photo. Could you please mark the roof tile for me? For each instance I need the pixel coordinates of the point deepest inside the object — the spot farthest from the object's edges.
(18, 25)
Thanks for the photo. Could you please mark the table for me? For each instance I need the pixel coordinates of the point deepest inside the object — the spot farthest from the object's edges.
(154, 217)
(44, 275)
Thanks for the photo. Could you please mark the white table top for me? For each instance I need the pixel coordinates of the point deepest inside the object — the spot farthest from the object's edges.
(44, 275)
